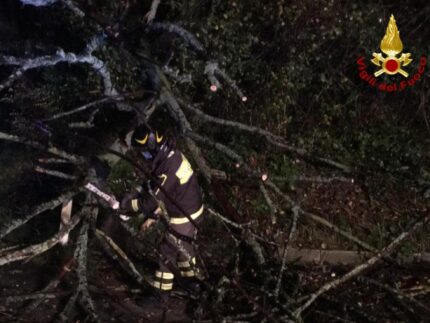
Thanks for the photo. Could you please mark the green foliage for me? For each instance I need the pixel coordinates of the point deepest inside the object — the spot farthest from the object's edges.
(297, 64)
(283, 167)
(62, 87)
(259, 206)
(122, 178)
(124, 69)
(383, 231)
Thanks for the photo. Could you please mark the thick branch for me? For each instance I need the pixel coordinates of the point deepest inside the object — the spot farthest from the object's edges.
(184, 34)
(37, 210)
(185, 126)
(273, 139)
(37, 249)
(53, 150)
(81, 254)
(321, 220)
(397, 293)
(124, 261)
(152, 12)
(200, 160)
(38, 3)
(229, 123)
(210, 72)
(220, 147)
(231, 83)
(61, 57)
(70, 4)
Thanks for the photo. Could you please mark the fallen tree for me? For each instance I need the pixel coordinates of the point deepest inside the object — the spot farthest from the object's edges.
(253, 280)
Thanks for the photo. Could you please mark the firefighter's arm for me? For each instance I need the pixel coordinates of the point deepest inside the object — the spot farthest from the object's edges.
(162, 184)
(150, 221)
(162, 181)
(133, 203)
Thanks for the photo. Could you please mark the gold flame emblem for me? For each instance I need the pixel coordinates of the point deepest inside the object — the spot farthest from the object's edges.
(391, 45)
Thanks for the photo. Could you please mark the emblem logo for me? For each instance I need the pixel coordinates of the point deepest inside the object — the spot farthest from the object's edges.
(391, 45)
(391, 63)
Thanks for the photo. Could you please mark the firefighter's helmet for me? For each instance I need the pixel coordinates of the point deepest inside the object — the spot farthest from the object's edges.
(147, 141)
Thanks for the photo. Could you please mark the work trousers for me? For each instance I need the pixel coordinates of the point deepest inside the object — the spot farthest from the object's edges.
(176, 251)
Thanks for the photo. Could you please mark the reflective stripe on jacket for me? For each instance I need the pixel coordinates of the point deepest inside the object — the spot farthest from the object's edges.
(173, 172)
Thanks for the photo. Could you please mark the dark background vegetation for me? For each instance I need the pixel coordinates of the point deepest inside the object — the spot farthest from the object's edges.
(296, 63)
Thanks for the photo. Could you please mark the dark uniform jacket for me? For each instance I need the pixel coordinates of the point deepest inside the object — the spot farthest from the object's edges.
(173, 173)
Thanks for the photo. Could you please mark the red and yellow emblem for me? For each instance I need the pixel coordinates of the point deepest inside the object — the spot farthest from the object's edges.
(391, 45)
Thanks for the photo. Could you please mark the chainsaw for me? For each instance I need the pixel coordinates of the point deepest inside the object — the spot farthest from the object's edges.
(110, 199)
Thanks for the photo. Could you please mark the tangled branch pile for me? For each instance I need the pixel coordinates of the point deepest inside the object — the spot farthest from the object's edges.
(70, 97)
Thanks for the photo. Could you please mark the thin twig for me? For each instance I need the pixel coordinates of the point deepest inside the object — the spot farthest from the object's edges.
(51, 149)
(313, 179)
(272, 207)
(85, 124)
(224, 219)
(333, 317)
(271, 138)
(218, 146)
(83, 107)
(54, 173)
(295, 210)
(52, 161)
(399, 294)
(66, 268)
(359, 269)
(34, 296)
(71, 5)
(321, 220)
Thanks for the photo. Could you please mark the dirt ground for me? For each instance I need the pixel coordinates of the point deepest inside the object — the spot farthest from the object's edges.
(117, 299)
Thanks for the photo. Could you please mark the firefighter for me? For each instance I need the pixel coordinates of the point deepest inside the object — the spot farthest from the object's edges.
(173, 183)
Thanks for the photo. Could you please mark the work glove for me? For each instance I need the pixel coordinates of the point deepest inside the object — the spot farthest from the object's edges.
(129, 203)
(146, 224)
